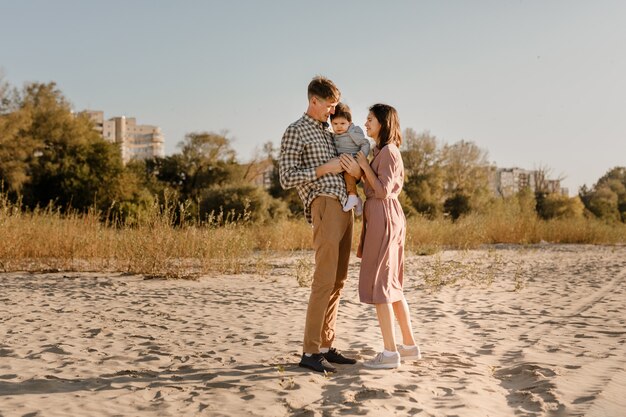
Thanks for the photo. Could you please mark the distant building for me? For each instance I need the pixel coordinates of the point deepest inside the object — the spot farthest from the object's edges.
(505, 182)
(135, 141)
(260, 173)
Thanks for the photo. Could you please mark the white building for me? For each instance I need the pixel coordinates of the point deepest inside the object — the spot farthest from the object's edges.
(135, 141)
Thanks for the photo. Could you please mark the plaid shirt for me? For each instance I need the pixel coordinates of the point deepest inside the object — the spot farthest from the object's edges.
(307, 144)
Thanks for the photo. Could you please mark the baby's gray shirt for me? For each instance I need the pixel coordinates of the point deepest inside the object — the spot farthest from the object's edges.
(352, 141)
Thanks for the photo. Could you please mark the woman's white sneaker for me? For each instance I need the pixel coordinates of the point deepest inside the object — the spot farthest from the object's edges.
(381, 361)
(409, 353)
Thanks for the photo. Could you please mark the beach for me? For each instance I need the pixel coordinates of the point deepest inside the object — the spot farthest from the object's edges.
(505, 330)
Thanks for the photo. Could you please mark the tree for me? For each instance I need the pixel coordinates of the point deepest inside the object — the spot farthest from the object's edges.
(424, 182)
(466, 175)
(557, 206)
(71, 164)
(550, 204)
(240, 202)
(50, 155)
(607, 198)
(457, 205)
(206, 160)
(290, 196)
(16, 149)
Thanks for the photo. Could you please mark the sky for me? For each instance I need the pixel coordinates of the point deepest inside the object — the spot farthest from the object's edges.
(536, 84)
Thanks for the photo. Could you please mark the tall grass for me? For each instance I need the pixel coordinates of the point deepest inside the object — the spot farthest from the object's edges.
(425, 236)
(46, 239)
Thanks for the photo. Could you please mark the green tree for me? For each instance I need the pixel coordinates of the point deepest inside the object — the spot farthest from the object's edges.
(71, 164)
(457, 205)
(50, 155)
(557, 206)
(290, 196)
(607, 198)
(424, 172)
(16, 149)
(206, 159)
(466, 176)
(240, 202)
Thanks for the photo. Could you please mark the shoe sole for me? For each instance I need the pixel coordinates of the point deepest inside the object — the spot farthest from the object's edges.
(414, 357)
(383, 366)
(342, 363)
(313, 369)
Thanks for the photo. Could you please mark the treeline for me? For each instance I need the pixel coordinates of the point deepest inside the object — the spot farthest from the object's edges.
(454, 180)
(50, 156)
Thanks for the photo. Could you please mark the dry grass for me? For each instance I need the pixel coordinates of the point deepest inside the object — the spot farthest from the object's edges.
(427, 236)
(48, 240)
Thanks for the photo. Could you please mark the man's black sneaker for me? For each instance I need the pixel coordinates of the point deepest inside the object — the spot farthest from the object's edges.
(334, 356)
(317, 362)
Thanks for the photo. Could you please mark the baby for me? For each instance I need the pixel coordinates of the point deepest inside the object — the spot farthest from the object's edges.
(349, 139)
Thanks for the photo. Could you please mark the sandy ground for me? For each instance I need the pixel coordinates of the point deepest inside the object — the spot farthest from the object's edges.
(504, 331)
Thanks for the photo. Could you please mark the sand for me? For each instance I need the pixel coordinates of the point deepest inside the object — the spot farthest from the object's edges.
(506, 330)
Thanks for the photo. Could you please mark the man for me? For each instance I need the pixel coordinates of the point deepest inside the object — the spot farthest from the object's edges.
(309, 162)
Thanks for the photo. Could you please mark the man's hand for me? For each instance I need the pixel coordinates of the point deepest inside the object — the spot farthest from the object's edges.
(333, 166)
(350, 165)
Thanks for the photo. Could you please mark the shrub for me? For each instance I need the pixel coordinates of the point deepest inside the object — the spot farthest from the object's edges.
(240, 202)
(556, 206)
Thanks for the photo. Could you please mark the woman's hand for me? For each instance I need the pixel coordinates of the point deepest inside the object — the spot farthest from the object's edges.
(361, 159)
(350, 165)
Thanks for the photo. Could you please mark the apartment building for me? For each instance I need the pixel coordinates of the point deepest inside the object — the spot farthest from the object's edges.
(135, 141)
(505, 182)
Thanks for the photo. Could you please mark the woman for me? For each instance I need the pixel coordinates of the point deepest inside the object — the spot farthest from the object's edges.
(382, 239)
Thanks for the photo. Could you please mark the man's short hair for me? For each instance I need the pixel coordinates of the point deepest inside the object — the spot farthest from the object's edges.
(323, 88)
(342, 110)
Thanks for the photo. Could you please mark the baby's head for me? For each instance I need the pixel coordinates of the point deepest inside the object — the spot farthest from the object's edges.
(341, 119)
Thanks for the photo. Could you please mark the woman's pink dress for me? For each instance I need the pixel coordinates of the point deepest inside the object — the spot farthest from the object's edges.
(384, 228)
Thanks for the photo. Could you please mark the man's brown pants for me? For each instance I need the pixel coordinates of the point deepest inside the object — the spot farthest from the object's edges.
(332, 238)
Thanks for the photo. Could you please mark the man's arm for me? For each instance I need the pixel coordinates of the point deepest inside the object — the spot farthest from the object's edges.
(333, 166)
(290, 172)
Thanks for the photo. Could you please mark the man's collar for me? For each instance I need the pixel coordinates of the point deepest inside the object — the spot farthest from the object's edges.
(311, 120)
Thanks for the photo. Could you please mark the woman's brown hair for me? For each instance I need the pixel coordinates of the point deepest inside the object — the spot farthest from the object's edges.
(389, 121)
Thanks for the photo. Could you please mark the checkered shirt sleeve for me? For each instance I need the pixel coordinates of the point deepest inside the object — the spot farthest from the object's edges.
(306, 145)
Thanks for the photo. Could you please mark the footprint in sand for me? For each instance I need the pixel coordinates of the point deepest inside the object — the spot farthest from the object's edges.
(530, 386)
(486, 349)
(54, 349)
(6, 353)
(371, 393)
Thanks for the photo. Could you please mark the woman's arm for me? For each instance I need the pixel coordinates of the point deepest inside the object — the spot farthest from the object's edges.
(383, 183)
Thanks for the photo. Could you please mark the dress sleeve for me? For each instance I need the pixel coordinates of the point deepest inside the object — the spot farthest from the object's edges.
(290, 169)
(389, 168)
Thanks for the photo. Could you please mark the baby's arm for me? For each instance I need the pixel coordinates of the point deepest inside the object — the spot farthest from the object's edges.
(357, 135)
